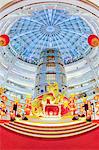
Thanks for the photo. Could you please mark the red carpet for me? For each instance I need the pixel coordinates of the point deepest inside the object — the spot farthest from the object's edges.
(12, 141)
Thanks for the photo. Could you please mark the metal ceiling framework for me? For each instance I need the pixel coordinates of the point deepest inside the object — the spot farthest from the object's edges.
(50, 28)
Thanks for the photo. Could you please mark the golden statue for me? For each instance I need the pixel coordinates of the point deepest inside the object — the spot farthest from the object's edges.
(53, 97)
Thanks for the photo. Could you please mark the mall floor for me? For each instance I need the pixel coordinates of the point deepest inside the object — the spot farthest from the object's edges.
(14, 141)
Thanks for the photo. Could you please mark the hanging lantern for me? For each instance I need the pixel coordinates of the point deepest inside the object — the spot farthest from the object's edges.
(4, 98)
(93, 40)
(4, 40)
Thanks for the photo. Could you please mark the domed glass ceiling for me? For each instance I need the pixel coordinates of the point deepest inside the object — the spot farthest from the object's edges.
(50, 28)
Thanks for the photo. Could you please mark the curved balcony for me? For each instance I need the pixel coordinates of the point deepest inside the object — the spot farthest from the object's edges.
(17, 89)
(82, 89)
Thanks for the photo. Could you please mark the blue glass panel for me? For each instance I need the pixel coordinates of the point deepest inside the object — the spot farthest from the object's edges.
(50, 28)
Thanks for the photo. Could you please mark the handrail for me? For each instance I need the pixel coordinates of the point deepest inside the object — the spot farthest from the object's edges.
(9, 4)
(90, 3)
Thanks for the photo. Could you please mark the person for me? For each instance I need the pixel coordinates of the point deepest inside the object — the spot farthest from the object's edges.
(75, 117)
(81, 115)
(24, 117)
(19, 110)
(15, 108)
(12, 116)
(86, 107)
(18, 115)
(88, 117)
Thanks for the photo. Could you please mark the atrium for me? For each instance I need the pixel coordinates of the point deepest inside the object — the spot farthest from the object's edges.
(49, 71)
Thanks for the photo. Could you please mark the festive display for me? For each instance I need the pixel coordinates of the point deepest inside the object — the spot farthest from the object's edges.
(97, 106)
(2, 90)
(51, 110)
(72, 104)
(27, 111)
(51, 103)
(93, 40)
(96, 97)
(4, 98)
(4, 40)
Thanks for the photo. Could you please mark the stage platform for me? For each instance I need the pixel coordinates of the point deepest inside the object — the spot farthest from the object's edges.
(64, 121)
(46, 128)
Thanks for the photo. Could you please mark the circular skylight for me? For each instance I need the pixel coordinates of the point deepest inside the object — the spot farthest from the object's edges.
(50, 28)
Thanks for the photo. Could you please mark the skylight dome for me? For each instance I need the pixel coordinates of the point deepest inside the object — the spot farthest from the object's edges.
(50, 28)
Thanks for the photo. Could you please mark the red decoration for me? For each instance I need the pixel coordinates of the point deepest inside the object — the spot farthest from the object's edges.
(64, 110)
(65, 98)
(4, 40)
(4, 98)
(29, 106)
(93, 40)
(40, 97)
(52, 109)
(27, 111)
(48, 101)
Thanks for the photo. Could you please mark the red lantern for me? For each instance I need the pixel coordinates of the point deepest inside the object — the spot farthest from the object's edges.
(93, 40)
(4, 40)
(4, 98)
